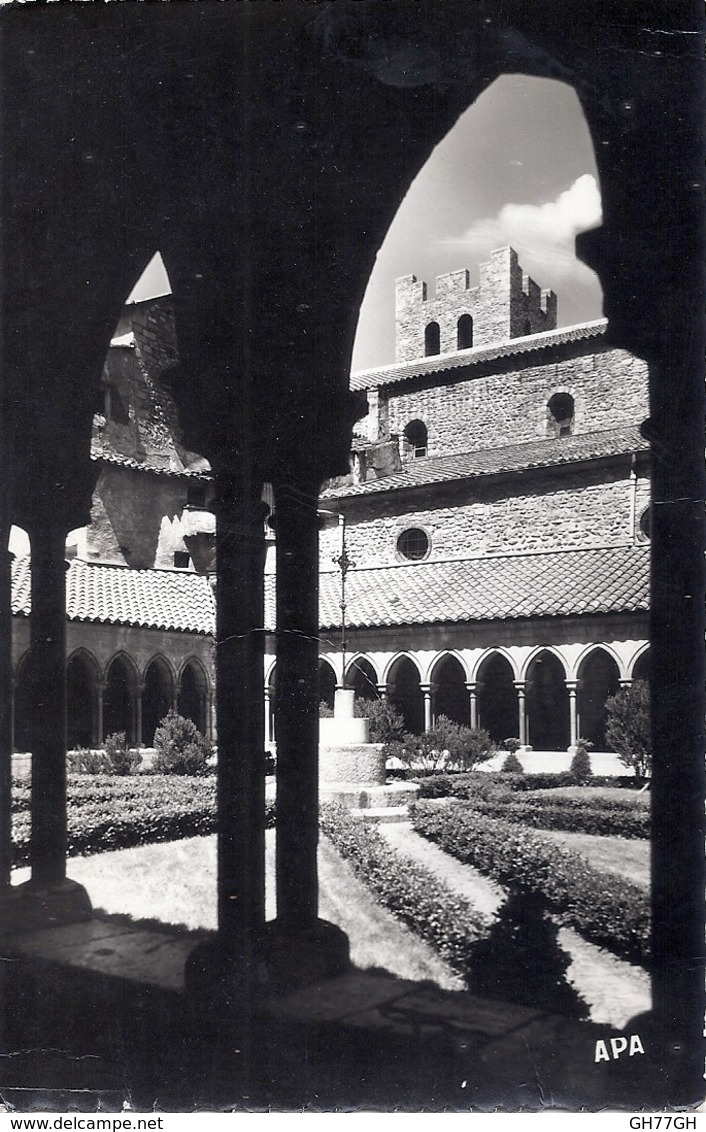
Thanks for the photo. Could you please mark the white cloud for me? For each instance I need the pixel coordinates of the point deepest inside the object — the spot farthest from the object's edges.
(542, 234)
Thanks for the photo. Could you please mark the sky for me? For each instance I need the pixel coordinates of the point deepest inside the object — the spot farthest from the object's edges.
(518, 168)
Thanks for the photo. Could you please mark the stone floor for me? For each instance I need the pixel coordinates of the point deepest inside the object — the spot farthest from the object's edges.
(99, 1013)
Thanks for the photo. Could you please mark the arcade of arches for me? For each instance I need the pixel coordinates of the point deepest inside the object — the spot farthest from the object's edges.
(548, 697)
(116, 696)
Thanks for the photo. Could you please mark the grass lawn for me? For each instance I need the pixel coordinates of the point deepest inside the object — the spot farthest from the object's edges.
(627, 857)
(175, 883)
(585, 793)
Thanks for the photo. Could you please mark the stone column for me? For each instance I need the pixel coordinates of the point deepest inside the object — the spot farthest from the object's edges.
(240, 563)
(426, 692)
(49, 897)
(573, 717)
(100, 691)
(472, 689)
(268, 725)
(6, 699)
(302, 947)
(521, 712)
(136, 714)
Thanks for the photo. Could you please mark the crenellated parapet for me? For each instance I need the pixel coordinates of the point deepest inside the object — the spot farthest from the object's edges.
(507, 303)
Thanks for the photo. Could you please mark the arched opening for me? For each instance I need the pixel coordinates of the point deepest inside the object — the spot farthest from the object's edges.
(406, 694)
(497, 698)
(157, 698)
(464, 332)
(415, 435)
(548, 726)
(449, 691)
(81, 702)
(560, 414)
(598, 679)
(432, 339)
(641, 667)
(119, 699)
(327, 683)
(363, 680)
(192, 693)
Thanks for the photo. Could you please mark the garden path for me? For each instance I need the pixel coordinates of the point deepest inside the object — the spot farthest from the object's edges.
(615, 990)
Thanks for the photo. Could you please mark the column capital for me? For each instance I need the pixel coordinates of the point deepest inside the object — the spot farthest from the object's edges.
(572, 685)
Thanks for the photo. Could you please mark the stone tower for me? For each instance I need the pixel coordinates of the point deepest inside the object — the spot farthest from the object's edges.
(505, 304)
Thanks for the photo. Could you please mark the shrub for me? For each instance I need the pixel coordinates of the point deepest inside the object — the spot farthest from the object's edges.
(606, 909)
(181, 748)
(122, 760)
(444, 745)
(451, 924)
(569, 814)
(386, 723)
(512, 745)
(325, 712)
(628, 727)
(581, 769)
(470, 786)
(512, 765)
(83, 761)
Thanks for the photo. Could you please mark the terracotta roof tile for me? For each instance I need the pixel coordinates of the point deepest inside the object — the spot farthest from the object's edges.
(511, 458)
(441, 363)
(153, 599)
(560, 584)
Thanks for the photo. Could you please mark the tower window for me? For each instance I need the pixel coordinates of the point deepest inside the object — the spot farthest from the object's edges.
(527, 327)
(432, 339)
(464, 332)
(416, 436)
(115, 407)
(560, 415)
(413, 544)
(646, 523)
(182, 559)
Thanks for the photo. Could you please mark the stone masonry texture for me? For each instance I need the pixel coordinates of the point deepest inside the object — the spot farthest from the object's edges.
(505, 304)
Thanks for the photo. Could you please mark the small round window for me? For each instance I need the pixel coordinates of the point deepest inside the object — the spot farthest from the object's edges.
(413, 544)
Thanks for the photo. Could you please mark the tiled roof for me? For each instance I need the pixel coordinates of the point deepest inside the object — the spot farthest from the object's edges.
(440, 363)
(511, 458)
(151, 599)
(560, 584)
(102, 457)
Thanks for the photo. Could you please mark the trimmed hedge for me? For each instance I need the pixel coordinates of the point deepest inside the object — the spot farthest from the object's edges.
(607, 910)
(467, 784)
(603, 817)
(108, 812)
(451, 924)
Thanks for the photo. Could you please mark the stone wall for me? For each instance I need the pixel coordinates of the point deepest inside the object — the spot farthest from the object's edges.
(506, 304)
(543, 511)
(464, 413)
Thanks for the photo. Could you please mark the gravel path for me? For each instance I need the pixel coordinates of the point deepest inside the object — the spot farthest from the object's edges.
(615, 990)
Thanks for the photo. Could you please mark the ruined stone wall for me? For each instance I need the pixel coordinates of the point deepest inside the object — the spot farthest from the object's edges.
(505, 304)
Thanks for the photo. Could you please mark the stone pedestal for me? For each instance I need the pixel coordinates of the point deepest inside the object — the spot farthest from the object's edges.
(33, 906)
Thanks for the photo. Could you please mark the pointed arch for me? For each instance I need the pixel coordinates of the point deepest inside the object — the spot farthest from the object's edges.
(548, 723)
(449, 691)
(362, 678)
(641, 664)
(405, 692)
(22, 705)
(83, 677)
(192, 693)
(598, 678)
(496, 696)
(120, 697)
(158, 695)
(327, 682)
